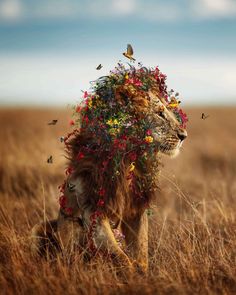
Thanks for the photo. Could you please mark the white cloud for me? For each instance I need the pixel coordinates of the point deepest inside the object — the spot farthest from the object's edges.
(123, 7)
(215, 8)
(159, 11)
(11, 10)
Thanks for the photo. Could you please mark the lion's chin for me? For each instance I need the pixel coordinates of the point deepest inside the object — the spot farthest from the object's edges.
(171, 151)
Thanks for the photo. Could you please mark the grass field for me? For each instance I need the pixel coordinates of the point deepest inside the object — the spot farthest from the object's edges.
(192, 229)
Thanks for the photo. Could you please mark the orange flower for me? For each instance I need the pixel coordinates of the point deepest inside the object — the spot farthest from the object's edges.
(78, 109)
(148, 139)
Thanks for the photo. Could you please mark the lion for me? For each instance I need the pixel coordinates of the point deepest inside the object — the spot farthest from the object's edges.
(121, 130)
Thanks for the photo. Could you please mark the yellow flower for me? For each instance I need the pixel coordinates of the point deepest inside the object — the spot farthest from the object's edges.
(173, 105)
(131, 167)
(115, 122)
(126, 76)
(90, 103)
(148, 139)
(109, 122)
(173, 102)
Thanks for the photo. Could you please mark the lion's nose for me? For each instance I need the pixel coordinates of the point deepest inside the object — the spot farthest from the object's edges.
(182, 134)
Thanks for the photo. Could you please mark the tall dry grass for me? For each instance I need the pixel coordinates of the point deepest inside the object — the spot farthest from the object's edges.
(192, 229)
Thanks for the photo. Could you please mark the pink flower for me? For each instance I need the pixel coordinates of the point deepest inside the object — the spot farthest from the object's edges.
(69, 170)
(135, 81)
(149, 132)
(183, 117)
(72, 122)
(100, 203)
(85, 94)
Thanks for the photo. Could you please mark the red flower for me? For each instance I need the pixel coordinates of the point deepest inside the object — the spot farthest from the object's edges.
(95, 215)
(86, 119)
(100, 203)
(133, 156)
(80, 156)
(78, 109)
(104, 164)
(149, 132)
(116, 141)
(101, 192)
(68, 210)
(162, 76)
(157, 70)
(72, 122)
(62, 201)
(124, 137)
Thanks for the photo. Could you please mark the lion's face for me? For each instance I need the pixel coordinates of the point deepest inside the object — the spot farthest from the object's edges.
(166, 129)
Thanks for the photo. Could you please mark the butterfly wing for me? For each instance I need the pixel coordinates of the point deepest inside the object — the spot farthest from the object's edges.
(130, 50)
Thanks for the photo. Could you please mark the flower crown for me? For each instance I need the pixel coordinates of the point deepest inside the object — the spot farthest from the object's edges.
(105, 95)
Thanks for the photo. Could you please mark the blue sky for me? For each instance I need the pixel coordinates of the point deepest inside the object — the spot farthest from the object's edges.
(49, 49)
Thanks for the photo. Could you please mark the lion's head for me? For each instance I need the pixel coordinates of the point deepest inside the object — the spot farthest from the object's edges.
(135, 103)
(167, 131)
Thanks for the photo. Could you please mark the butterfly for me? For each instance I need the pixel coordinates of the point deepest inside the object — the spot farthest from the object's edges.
(129, 53)
(49, 160)
(53, 122)
(204, 117)
(99, 67)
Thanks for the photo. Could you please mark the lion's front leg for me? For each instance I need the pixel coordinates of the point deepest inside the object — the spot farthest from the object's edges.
(104, 241)
(136, 237)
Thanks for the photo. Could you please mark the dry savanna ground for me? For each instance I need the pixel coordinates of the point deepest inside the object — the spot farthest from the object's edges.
(192, 228)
